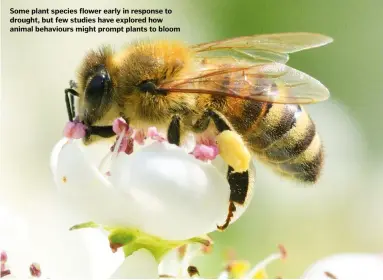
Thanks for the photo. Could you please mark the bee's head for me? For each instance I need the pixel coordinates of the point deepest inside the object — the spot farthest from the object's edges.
(95, 90)
(96, 86)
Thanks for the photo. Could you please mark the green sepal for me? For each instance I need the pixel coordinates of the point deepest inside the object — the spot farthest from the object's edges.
(85, 225)
(132, 240)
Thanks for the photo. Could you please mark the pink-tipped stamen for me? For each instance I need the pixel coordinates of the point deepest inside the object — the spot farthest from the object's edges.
(35, 270)
(262, 265)
(124, 143)
(117, 145)
(3, 257)
(139, 136)
(119, 125)
(152, 131)
(130, 146)
(74, 130)
(155, 135)
(204, 152)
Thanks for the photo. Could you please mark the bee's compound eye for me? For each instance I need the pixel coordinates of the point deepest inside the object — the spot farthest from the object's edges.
(97, 86)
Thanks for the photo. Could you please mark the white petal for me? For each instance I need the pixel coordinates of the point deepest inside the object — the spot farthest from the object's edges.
(170, 264)
(347, 266)
(140, 265)
(85, 192)
(159, 189)
(176, 195)
(103, 262)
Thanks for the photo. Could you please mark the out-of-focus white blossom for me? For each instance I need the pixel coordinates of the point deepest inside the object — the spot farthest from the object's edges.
(178, 264)
(14, 247)
(347, 266)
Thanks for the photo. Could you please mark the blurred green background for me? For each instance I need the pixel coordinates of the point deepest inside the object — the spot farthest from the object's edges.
(342, 213)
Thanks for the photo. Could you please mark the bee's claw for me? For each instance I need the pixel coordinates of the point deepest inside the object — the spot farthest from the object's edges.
(230, 215)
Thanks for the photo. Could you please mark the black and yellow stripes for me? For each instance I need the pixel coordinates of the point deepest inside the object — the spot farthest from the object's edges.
(296, 151)
(306, 166)
(274, 125)
(281, 135)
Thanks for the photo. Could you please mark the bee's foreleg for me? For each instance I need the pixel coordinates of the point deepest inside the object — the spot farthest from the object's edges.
(238, 181)
(174, 130)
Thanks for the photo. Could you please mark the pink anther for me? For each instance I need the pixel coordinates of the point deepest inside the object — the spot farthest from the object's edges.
(205, 152)
(74, 130)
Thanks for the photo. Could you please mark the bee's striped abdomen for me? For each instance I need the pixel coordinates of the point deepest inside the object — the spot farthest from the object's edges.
(275, 123)
(283, 136)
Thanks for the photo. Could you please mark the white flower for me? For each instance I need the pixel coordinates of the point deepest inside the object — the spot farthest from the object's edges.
(347, 266)
(160, 190)
(14, 240)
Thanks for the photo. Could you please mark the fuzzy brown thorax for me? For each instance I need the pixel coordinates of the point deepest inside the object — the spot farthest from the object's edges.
(128, 71)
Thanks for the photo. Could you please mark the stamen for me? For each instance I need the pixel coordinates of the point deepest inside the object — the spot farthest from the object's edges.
(237, 269)
(330, 275)
(181, 251)
(153, 133)
(104, 160)
(192, 271)
(119, 125)
(139, 136)
(283, 251)
(4, 273)
(129, 146)
(185, 261)
(118, 143)
(74, 130)
(3, 257)
(205, 152)
(262, 265)
(35, 270)
(207, 248)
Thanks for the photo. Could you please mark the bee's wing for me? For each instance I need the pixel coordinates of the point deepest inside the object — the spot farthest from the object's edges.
(269, 47)
(264, 82)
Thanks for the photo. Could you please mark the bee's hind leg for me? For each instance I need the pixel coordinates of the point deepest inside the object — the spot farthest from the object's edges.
(238, 181)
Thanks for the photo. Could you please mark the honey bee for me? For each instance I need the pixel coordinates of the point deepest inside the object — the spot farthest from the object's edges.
(242, 85)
